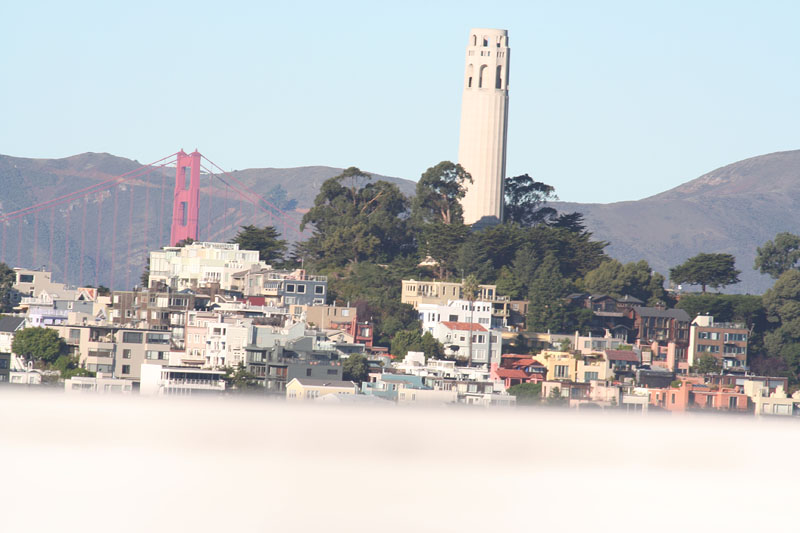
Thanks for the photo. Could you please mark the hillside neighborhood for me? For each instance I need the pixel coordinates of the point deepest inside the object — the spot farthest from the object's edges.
(216, 319)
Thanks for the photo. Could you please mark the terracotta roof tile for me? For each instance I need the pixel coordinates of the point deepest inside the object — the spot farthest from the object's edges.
(463, 326)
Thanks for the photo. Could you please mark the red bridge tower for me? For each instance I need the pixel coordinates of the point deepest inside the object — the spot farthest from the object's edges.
(186, 203)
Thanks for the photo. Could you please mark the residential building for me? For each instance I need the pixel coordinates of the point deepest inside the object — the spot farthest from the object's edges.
(276, 356)
(9, 325)
(118, 351)
(416, 292)
(5, 368)
(725, 341)
(456, 311)
(666, 332)
(486, 344)
(100, 384)
(281, 287)
(200, 264)
(162, 380)
(310, 389)
(567, 366)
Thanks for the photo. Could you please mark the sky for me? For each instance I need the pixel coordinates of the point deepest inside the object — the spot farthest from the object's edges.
(609, 101)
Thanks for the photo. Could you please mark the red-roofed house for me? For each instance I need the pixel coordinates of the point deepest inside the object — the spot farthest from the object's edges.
(486, 344)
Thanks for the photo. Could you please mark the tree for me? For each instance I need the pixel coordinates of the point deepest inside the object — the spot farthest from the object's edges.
(527, 393)
(264, 240)
(442, 242)
(355, 368)
(40, 344)
(7, 292)
(470, 288)
(524, 198)
(778, 256)
(411, 340)
(706, 364)
(547, 310)
(354, 223)
(782, 305)
(240, 380)
(633, 279)
(68, 367)
(440, 190)
(714, 270)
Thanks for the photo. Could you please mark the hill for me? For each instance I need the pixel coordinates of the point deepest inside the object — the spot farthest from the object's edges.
(733, 209)
(141, 207)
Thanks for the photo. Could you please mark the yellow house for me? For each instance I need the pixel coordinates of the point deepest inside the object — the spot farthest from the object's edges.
(308, 389)
(566, 366)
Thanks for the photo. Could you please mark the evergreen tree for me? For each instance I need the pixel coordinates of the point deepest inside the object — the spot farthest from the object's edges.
(547, 310)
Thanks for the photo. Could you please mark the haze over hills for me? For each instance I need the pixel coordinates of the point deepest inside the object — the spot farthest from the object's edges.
(733, 209)
(87, 222)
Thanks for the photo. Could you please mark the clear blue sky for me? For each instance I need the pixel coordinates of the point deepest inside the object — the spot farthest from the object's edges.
(608, 100)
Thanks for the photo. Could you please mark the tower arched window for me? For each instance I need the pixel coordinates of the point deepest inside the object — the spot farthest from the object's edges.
(481, 75)
(485, 41)
(474, 40)
(470, 74)
(498, 80)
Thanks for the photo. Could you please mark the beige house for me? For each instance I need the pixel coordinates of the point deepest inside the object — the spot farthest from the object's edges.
(566, 366)
(309, 389)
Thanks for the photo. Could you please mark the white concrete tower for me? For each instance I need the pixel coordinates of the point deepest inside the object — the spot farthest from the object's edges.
(484, 115)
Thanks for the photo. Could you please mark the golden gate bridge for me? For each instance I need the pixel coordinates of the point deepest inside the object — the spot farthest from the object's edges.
(113, 209)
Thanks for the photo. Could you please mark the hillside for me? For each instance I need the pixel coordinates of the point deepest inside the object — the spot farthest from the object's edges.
(142, 205)
(733, 209)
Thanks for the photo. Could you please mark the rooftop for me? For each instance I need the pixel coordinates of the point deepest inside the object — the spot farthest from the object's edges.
(463, 326)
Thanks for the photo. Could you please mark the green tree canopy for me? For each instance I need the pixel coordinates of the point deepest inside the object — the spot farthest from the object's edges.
(782, 304)
(39, 344)
(354, 223)
(355, 368)
(634, 279)
(527, 393)
(264, 240)
(713, 270)
(440, 190)
(706, 364)
(524, 199)
(778, 256)
(412, 340)
(547, 310)
(7, 279)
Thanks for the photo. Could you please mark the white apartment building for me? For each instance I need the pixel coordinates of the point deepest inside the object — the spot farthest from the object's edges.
(455, 311)
(486, 344)
(158, 380)
(200, 264)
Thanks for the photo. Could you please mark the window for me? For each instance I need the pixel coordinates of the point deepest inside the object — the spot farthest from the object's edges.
(331, 371)
(562, 371)
(589, 376)
(131, 337)
(126, 353)
(290, 287)
(126, 369)
(74, 334)
(26, 278)
(735, 337)
(319, 289)
(732, 402)
(308, 372)
(155, 355)
(345, 312)
(673, 398)
(157, 338)
(301, 289)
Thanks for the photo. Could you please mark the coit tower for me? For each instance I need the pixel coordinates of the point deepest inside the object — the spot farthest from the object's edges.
(484, 118)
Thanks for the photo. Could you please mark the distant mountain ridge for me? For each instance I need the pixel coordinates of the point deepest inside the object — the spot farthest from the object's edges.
(86, 223)
(733, 209)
